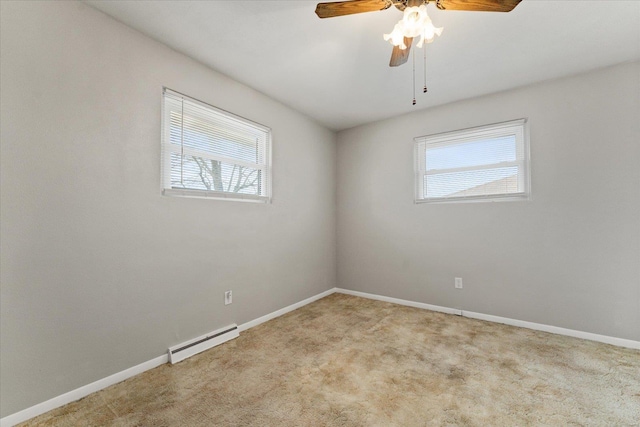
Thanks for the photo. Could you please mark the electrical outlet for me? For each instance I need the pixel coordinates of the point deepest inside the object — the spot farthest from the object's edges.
(228, 298)
(458, 282)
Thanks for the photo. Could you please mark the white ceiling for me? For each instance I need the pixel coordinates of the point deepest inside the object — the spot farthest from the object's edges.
(336, 70)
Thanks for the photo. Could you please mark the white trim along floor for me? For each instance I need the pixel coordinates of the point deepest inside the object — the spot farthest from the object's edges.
(81, 392)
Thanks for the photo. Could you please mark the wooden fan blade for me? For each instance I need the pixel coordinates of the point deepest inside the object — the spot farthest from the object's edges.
(399, 56)
(340, 8)
(478, 5)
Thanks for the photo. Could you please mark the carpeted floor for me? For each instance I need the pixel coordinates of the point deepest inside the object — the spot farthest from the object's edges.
(348, 361)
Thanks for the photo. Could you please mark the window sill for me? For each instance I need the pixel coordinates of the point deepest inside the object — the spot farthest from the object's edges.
(215, 195)
(491, 198)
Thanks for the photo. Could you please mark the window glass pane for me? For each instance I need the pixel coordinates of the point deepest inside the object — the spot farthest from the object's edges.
(486, 162)
(472, 183)
(208, 149)
(198, 173)
(473, 153)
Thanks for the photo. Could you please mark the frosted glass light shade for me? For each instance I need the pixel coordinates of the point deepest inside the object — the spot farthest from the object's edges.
(414, 23)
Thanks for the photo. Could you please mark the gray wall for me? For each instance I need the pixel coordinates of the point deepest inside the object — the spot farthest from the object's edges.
(99, 272)
(570, 257)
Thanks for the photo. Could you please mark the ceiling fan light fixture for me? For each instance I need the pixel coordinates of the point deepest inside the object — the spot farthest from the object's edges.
(413, 20)
(396, 37)
(414, 23)
(429, 32)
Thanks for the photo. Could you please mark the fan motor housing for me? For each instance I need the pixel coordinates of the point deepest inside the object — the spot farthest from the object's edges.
(401, 5)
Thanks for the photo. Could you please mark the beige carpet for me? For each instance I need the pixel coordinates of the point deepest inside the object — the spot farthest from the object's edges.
(348, 361)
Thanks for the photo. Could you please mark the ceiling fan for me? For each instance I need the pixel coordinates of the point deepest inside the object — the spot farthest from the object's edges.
(402, 45)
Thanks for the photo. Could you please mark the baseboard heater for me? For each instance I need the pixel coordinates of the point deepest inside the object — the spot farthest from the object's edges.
(187, 349)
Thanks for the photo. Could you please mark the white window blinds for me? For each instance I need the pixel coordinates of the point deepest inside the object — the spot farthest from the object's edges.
(484, 163)
(207, 152)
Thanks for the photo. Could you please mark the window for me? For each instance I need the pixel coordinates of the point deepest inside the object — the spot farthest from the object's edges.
(207, 152)
(483, 163)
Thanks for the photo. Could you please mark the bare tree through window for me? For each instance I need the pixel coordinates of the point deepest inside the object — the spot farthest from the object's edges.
(241, 177)
(206, 149)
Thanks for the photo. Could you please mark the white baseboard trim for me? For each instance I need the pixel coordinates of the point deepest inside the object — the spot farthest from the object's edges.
(620, 342)
(79, 393)
(285, 310)
(401, 301)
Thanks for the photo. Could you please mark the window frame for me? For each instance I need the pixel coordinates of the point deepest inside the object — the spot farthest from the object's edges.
(167, 148)
(518, 128)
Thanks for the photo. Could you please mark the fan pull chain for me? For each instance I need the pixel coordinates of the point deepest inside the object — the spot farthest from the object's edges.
(424, 89)
(413, 58)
